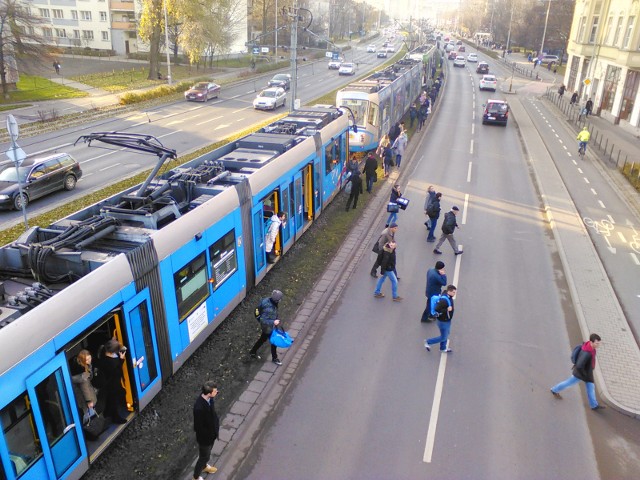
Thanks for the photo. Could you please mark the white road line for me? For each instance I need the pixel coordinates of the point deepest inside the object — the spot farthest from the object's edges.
(469, 172)
(167, 134)
(586, 179)
(471, 147)
(633, 256)
(611, 219)
(175, 122)
(221, 126)
(207, 121)
(101, 156)
(236, 111)
(580, 170)
(601, 204)
(437, 396)
(593, 190)
(465, 208)
(473, 128)
(114, 165)
(621, 237)
(574, 162)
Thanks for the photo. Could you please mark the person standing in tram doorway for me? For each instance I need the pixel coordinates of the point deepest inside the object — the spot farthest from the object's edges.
(110, 367)
(207, 426)
(272, 235)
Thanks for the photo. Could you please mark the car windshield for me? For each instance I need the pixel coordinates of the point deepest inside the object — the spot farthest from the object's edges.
(489, 79)
(358, 107)
(200, 86)
(268, 93)
(280, 77)
(347, 65)
(9, 174)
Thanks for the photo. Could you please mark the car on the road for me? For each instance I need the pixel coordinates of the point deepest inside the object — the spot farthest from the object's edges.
(382, 54)
(39, 177)
(472, 57)
(459, 61)
(452, 55)
(483, 67)
(488, 82)
(270, 99)
(461, 48)
(334, 64)
(549, 59)
(371, 49)
(495, 111)
(347, 69)
(282, 80)
(391, 49)
(202, 91)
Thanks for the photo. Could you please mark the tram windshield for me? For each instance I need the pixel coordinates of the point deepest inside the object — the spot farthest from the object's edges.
(358, 107)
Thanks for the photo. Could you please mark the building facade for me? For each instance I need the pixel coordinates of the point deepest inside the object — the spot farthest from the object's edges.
(604, 59)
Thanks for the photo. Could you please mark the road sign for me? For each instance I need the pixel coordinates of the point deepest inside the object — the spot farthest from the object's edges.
(264, 49)
(256, 50)
(328, 54)
(12, 127)
(587, 81)
(19, 153)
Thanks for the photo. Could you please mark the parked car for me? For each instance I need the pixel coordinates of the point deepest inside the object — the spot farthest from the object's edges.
(459, 61)
(202, 91)
(483, 67)
(382, 54)
(452, 55)
(39, 177)
(371, 49)
(549, 59)
(495, 111)
(472, 57)
(282, 80)
(347, 69)
(270, 99)
(335, 64)
(488, 82)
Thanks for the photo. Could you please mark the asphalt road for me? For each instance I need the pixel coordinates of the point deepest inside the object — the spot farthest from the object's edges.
(371, 403)
(184, 126)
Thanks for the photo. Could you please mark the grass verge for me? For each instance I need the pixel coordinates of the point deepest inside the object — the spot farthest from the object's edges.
(33, 88)
(632, 172)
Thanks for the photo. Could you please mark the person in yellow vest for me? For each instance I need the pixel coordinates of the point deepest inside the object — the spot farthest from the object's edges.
(583, 138)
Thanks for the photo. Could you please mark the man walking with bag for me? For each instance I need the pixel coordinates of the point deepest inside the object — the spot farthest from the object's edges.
(207, 426)
(449, 224)
(444, 310)
(436, 279)
(268, 318)
(387, 235)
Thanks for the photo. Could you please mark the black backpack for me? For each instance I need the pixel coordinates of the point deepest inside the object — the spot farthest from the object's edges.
(449, 224)
(432, 209)
(574, 354)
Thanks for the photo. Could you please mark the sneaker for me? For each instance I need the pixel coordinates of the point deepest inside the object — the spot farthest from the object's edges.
(378, 295)
(199, 478)
(427, 346)
(598, 407)
(437, 252)
(446, 350)
(210, 469)
(556, 394)
(397, 299)
(277, 361)
(256, 356)
(430, 240)
(459, 252)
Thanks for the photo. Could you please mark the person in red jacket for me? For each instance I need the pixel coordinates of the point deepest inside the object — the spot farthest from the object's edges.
(206, 425)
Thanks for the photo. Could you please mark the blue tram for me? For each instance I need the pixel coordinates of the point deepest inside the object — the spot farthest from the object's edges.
(383, 98)
(157, 268)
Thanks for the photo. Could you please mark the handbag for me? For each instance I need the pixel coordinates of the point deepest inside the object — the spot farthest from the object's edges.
(393, 207)
(402, 202)
(428, 223)
(280, 338)
(93, 424)
(376, 246)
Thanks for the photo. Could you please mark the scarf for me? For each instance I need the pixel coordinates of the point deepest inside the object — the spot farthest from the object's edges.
(587, 347)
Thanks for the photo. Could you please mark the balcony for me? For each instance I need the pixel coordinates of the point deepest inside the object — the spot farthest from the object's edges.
(122, 5)
(123, 25)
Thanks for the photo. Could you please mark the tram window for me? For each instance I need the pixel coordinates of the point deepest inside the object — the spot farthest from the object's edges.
(223, 259)
(332, 155)
(191, 285)
(359, 109)
(20, 434)
(55, 410)
(373, 115)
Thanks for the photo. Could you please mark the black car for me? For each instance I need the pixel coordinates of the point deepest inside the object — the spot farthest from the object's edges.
(483, 68)
(496, 111)
(39, 177)
(282, 80)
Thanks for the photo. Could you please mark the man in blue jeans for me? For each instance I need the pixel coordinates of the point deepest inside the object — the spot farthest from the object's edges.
(583, 370)
(444, 310)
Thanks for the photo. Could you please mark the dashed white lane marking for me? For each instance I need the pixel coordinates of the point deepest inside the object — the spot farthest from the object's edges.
(634, 257)
(580, 170)
(210, 120)
(593, 190)
(236, 111)
(601, 204)
(170, 133)
(574, 162)
(621, 237)
(611, 219)
(221, 126)
(586, 180)
(110, 166)
(465, 209)
(471, 147)
(469, 172)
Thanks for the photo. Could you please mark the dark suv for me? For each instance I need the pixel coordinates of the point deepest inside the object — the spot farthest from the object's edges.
(483, 68)
(39, 177)
(496, 111)
(282, 80)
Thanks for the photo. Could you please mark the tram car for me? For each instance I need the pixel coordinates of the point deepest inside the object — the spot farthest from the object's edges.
(384, 97)
(153, 270)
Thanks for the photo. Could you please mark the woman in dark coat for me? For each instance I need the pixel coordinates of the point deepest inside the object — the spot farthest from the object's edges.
(114, 393)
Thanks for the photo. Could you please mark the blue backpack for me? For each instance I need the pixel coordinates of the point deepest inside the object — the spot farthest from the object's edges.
(574, 354)
(433, 301)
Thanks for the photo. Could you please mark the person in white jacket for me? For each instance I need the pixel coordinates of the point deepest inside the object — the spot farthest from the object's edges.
(272, 234)
(400, 145)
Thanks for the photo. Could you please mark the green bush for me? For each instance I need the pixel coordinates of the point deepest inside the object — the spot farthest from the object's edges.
(161, 91)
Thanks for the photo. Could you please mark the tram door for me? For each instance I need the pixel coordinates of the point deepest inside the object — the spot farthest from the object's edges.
(258, 238)
(143, 345)
(298, 201)
(57, 423)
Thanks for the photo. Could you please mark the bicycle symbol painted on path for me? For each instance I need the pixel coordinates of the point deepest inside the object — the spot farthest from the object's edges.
(603, 227)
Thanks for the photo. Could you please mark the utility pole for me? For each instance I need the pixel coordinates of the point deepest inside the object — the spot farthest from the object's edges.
(293, 12)
(544, 32)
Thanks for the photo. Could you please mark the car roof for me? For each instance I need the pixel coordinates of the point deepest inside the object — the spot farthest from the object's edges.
(492, 100)
(30, 162)
(271, 89)
(279, 75)
(490, 77)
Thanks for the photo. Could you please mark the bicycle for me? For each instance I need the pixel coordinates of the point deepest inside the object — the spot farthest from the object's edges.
(582, 149)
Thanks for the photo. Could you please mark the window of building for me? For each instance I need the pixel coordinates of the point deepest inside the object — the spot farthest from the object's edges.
(47, 32)
(580, 34)
(74, 14)
(627, 35)
(61, 33)
(607, 35)
(31, 30)
(87, 34)
(44, 13)
(105, 36)
(76, 34)
(594, 29)
(85, 15)
(57, 13)
(629, 94)
(616, 36)
(191, 286)
(20, 435)
(103, 16)
(223, 259)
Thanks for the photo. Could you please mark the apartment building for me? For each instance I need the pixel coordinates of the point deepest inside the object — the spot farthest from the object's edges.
(604, 59)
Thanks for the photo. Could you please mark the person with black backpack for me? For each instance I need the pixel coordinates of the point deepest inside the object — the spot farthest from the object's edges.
(267, 315)
(449, 224)
(583, 358)
(433, 212)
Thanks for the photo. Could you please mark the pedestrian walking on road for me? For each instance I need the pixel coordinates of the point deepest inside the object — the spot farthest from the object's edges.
(356, 189)
(370, 171)
(449, 224)
(388, 267)
(393, 200)
(433, 211)
(207, 426)
(444, 311)
(585, 363)
(386, 236)
(268, 318)
(574, 98)
(431, 195)
(436, 280)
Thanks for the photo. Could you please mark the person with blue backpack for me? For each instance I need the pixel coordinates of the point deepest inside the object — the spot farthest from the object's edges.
(443, 312)
(436, 280)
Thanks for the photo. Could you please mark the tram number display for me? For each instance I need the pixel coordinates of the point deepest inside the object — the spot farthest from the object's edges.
(224, 267)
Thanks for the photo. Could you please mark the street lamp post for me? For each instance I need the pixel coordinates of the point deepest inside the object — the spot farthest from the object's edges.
(166, 41)
(544, 32)
(276, 31)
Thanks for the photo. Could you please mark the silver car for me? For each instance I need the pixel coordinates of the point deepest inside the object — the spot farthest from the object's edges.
(270, 99)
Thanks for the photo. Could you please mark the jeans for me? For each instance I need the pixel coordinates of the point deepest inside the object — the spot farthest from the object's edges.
(431, 236)
(583, 145)
(203, 459)
(445, 328)
(369, 183)
(394, 282)
(589, 386)
(398, 160)
(392, 218)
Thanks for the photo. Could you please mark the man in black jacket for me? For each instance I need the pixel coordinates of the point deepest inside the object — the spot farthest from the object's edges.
(433, 211)
(444, 310)
(268, 319)
(449, 224)
(356, 189)
(583, 370)
(206, 425)
(388, 267)
(370, 167)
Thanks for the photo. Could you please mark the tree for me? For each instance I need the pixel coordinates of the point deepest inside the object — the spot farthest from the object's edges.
(150, 29)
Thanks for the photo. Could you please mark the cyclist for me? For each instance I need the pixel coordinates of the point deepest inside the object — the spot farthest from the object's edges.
(583, 138)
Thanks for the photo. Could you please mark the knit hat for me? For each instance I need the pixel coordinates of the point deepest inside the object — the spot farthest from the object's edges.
(439, 265)
(393, 225)
(455, 208)
(276, 295)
